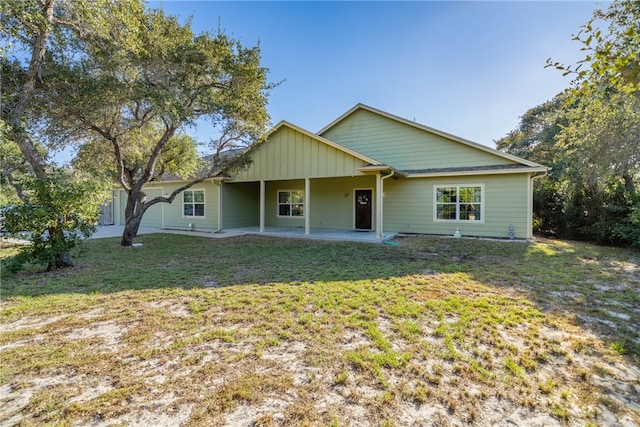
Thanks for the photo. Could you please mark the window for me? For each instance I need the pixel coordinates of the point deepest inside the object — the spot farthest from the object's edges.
(193, 203)
(291, 203)
(459, 203)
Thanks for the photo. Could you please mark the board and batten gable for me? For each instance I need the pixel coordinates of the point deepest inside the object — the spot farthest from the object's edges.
(404, 146)
(291, 153)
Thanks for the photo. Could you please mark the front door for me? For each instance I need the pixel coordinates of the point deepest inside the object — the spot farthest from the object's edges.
(364, 208)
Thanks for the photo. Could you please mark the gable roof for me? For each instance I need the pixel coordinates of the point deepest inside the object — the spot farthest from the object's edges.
(424, 128)
(323, 140)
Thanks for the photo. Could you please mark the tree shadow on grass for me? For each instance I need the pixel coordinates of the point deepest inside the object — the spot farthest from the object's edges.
(600, 286)
(594, 287)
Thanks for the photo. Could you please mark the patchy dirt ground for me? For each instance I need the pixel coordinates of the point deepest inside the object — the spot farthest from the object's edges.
(284, 385)
(434, 348)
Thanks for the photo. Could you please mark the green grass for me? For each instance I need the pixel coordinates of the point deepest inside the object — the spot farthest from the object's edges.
(300, 332)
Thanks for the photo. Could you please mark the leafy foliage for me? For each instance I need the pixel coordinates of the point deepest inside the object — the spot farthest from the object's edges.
(590, 192)
(54, 206)
(123, 82)
(590, 136)
(612, 54)
(60, 211)
(129, 94)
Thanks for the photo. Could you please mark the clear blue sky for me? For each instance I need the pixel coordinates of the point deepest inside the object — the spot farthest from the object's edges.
(467, 68)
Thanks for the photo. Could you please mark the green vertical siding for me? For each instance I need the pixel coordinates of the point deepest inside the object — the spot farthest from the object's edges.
(409, 206)
(120, 201)
(405, 147)
(169, 215)
(290, 154)
(332, 201)
(271, 204)
(173, 213)
(152, 216)
(241, 205)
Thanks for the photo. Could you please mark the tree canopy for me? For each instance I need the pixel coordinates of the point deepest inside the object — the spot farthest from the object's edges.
(590, 136)
(122, 83)
(131, 97)
(30, 29)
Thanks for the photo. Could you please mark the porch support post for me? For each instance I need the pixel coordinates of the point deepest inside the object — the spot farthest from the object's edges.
(307, 206)
(219, 205)
(262, 209)
(379, 191)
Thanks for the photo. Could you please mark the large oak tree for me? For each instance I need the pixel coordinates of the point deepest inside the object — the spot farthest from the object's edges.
(54, 204)
(590, 135)
(127, 94)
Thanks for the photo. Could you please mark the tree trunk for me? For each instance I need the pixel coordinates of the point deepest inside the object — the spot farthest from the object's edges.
(133, 215)
(14, 112)
(628, 183)
(130, 230)
(62, 254)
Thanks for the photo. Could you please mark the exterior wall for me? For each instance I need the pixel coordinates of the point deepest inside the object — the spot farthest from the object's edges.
(290, 154)
(240, 205)
(333, 204)
(169, 215)
(271, 218)
(403, 146)
(120, 205)
(409, 206)
(153, 216)
(173, 212)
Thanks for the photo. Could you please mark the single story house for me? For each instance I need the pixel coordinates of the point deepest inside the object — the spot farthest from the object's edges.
(367, 170)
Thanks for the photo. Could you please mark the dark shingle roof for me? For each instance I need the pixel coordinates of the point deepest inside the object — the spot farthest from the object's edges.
(467, 169)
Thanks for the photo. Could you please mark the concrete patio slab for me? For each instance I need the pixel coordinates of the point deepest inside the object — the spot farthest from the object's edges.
(289, 232)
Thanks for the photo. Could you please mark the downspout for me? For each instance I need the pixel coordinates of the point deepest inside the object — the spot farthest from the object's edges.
(381, 213)
(262, 207)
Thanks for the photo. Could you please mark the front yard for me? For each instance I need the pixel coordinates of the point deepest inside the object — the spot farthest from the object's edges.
(267, 331)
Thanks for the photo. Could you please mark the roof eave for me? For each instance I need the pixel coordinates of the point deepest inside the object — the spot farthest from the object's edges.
(381, 168)
(535, 170)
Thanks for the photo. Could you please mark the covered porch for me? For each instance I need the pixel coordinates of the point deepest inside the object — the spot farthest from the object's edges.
(342, 207)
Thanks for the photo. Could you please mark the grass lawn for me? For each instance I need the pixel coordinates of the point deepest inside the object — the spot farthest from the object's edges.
(261, 331)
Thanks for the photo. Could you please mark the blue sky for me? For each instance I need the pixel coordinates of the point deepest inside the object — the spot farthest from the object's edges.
(467, 68)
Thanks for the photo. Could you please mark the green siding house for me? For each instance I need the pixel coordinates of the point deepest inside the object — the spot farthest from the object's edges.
(368, 170)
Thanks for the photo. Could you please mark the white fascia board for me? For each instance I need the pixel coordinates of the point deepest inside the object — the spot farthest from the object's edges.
(381, 168)
(542, 170)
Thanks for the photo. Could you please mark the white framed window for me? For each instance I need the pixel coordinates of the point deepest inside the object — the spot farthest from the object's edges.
(193, 203)
(291, 203)
(459, 202)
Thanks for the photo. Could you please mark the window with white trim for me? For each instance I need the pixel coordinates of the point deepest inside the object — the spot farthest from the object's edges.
(459, 202)
(193, 203)
(290, 203)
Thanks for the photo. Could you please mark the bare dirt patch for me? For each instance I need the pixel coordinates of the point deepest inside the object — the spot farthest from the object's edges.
(447, 341)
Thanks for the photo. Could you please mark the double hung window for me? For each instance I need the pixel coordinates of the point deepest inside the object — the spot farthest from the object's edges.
(291, 203)
(459, 203)
(193, 203)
